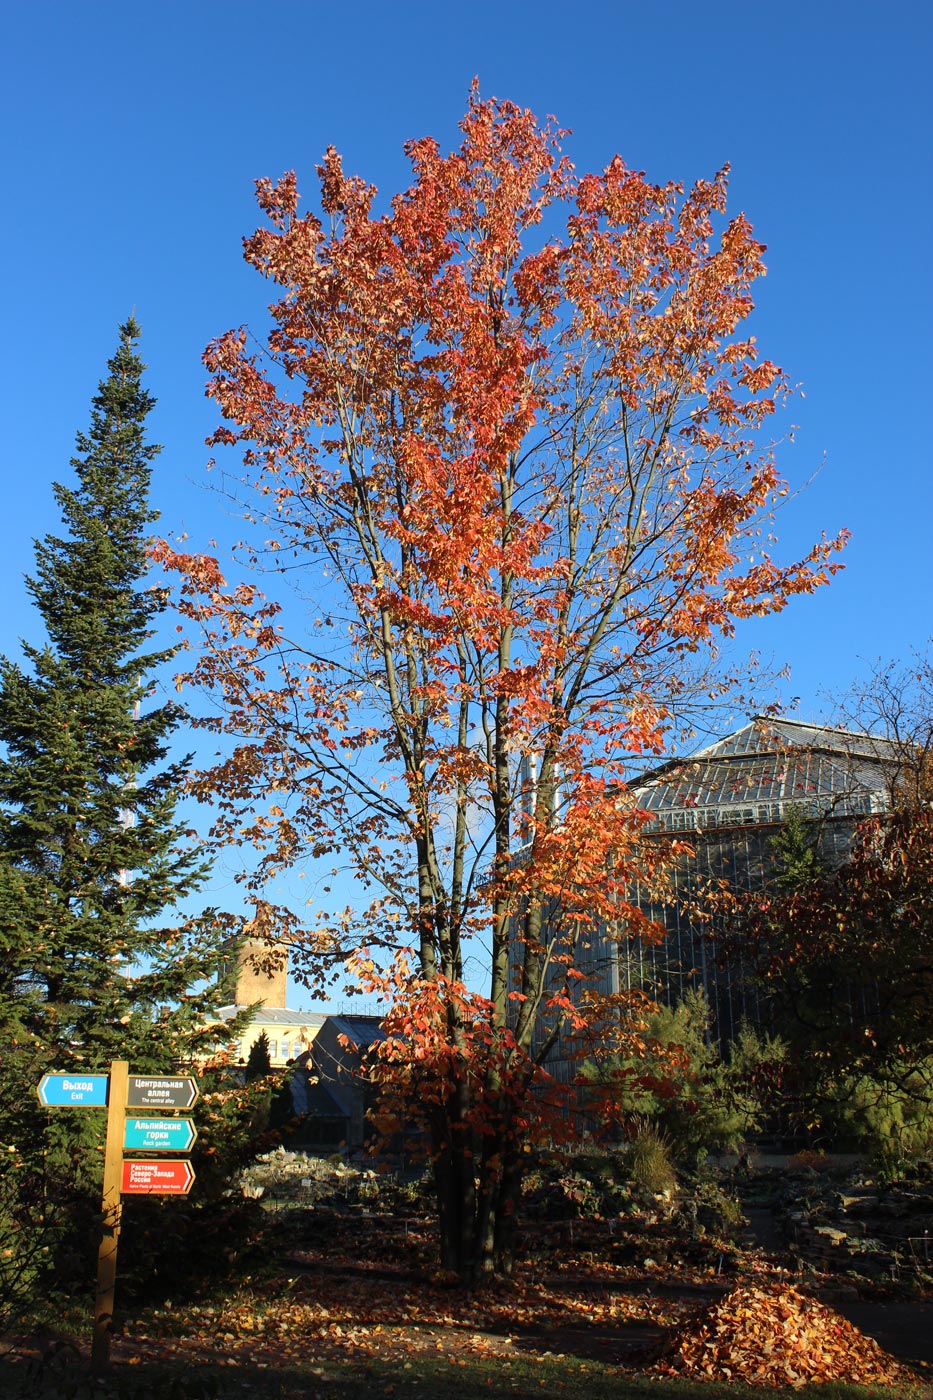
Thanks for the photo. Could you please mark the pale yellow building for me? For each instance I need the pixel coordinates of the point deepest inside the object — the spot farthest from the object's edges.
(262, 976)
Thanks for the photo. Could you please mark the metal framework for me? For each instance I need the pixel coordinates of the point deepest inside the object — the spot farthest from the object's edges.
(728, 802)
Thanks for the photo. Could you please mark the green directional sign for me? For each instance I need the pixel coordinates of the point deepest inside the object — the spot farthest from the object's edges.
(159, 1134)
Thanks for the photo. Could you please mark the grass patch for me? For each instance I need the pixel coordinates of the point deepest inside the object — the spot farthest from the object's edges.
(520, 1378)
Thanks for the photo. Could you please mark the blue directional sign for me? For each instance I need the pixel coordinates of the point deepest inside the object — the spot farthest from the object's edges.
(159, 1134)
(73, 1090)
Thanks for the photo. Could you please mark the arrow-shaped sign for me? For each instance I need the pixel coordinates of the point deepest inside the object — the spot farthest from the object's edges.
(73, 1090)
(149, 1177)
(160, 1091)
(159, 1134)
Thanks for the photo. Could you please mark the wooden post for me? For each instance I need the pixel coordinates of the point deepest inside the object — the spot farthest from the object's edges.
(112, 1209)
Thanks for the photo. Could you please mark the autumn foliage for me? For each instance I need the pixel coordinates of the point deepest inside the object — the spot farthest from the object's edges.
(504, 437)
(773, 1335)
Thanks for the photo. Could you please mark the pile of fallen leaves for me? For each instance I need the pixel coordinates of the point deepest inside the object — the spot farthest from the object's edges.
(774, 1335)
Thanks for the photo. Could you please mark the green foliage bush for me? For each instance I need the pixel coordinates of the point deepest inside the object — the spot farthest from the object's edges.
(577, 1185)
(178, 1248)
(26, 1241)
(699, 1102)
(717, 1212)
(50, 1175)
(890, 1119)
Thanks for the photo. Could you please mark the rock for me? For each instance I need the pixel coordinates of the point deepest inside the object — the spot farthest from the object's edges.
(827, 1235)
(858, 1203)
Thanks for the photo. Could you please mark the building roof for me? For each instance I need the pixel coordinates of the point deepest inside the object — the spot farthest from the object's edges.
(764, 734)
(757, 773)
(309, 1095)
(361, 1030)
(275, 1016)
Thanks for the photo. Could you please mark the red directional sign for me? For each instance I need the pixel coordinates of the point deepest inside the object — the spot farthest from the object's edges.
(144, 1178)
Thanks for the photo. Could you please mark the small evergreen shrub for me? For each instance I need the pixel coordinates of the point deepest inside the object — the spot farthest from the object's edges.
(699, 1101)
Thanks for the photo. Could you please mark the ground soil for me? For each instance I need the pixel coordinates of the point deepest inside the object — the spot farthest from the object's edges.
(345, 1289)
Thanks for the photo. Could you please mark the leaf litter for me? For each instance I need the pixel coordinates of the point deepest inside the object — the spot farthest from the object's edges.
(774, 1335)
(370, 1297)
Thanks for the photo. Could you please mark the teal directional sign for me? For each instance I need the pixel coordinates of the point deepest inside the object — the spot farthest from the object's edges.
(159, 1134)
(73, 1090)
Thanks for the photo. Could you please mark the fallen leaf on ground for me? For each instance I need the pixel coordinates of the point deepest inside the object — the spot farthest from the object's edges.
(774, 1335)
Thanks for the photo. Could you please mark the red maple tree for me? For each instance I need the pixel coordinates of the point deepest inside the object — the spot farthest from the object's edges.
(503, 436)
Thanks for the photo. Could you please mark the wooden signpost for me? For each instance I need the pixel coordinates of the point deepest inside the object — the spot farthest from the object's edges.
(123, 1176)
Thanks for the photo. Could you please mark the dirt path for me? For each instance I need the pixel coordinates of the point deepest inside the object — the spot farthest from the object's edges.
(903, 1329)
(764, 1229)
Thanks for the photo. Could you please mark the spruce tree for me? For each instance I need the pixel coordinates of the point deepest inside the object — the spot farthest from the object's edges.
(795, 848)
(259, 1060)
(98, 959)
(99, 956)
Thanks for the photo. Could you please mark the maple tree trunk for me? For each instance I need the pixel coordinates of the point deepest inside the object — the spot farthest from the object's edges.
(477, 1223)
(496, 1200)
(507, 1209)
(455, 1189)
(455, 1201)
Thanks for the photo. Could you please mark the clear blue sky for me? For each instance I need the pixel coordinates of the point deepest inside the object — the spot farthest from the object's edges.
(134, 134)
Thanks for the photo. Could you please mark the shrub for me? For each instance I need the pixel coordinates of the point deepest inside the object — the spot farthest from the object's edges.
(718, 1212)
(651, 1163)
(700, 1102)
(890, 1120)
(577, 1185)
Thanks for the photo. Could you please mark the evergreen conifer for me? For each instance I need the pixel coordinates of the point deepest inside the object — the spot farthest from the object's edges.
(796, 850)
(259, 1061)
(98, 959)
(91, 852)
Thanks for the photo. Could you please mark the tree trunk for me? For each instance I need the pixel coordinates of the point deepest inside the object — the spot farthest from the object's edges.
(479, 1218)
(478, 1226)
(455, 1189)
(507, 1210)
